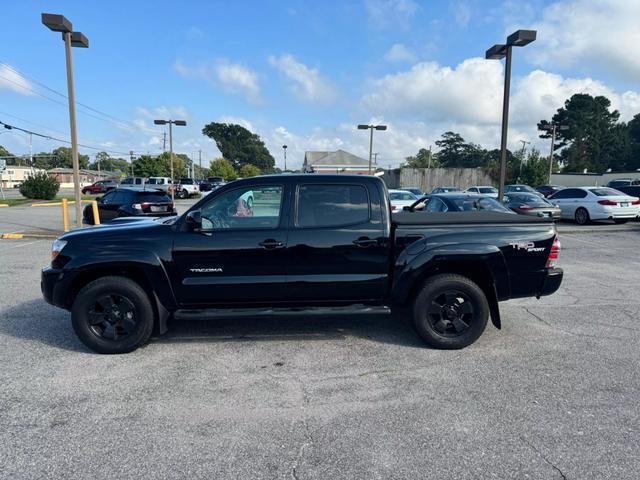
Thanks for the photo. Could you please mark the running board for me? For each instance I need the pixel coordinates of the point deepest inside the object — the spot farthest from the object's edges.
(205, 313)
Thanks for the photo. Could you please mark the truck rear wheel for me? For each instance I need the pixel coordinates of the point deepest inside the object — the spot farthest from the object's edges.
(112, 315)
(450, 312)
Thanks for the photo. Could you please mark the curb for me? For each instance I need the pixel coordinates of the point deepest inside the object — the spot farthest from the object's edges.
(17, 235)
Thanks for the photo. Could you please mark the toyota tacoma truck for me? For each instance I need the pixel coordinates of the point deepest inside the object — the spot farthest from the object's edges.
(307, 243)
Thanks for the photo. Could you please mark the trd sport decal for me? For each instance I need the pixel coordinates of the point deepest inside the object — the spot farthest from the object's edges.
(528, 246)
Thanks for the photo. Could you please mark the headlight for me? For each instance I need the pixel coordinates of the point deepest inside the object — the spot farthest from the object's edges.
(57, 247)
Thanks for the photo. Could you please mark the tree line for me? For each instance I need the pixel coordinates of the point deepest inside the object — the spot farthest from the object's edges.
(243, 155)
(589, 136)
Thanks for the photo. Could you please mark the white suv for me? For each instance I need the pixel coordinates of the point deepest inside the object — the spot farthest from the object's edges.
(187, 187)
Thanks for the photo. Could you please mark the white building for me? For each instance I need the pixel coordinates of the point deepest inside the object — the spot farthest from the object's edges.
(14, 175)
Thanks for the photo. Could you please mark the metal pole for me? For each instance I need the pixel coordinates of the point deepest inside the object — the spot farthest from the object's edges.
(553, 142)
(171, 154)
(31, 151)
(74, 135)
(370, 148)
(200, 161)
(285, 159)
(505, 123)
(524, 143)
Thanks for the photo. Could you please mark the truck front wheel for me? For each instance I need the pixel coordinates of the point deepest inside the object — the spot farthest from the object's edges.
(450, 312)
(112, 315)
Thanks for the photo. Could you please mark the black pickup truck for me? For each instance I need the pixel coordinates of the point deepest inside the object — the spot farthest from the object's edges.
(282, 243)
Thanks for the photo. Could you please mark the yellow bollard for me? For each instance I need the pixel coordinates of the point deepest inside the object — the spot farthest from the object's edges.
(96, 214)
(65, 215)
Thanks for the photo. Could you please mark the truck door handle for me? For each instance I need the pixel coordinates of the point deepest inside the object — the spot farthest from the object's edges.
(270, 244)
(365, 242)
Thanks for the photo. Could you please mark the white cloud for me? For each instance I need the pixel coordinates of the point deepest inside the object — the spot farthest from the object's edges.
(163, 112)
(603, 33)
(399, 53)
(12, 80)
(231, 77)
(384, 14)
(237, 121)
(462, 13)
(306, 83)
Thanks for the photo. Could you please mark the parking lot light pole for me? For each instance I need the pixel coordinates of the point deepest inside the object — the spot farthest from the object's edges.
(371, 128)
(498, 52)
(180, 123)
(59, 23)
(284, 147)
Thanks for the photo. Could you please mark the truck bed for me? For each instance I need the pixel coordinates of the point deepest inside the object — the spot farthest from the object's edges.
(469, 218)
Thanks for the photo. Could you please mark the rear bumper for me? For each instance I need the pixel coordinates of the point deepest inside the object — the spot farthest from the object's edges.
(551, 282)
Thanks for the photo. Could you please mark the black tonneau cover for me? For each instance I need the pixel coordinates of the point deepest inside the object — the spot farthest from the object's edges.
(439, 218)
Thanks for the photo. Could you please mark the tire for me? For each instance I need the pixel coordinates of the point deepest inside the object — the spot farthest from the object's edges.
(450, 312)
(250, 202)
(582, 216)
(620, 221)
(105, 329)
(183, 194)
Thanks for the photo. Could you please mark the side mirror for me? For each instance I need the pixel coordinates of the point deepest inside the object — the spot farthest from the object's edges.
(194, 220)
(406, 209)
(99, 199)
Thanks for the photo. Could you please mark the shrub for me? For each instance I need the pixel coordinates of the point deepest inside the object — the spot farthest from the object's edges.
(40, 186)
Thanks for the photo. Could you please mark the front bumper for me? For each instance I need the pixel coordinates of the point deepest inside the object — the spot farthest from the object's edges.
(551, 282)
(53, 287)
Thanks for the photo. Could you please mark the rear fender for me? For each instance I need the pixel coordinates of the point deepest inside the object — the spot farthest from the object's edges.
(482, 263)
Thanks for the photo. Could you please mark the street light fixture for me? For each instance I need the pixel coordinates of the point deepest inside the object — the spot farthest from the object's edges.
(179, 123)
(59, 23)
(519, 38)
(371, 128)
(552, 127)
(284, 147)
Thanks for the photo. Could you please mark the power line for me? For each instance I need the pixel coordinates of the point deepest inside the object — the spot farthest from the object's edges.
(49, 137)
(109, 118)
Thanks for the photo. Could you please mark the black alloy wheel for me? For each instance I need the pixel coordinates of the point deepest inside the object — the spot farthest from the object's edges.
(450, 313)
(112, 317)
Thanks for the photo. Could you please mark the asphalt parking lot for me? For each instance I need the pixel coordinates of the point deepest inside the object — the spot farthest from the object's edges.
(552, 395)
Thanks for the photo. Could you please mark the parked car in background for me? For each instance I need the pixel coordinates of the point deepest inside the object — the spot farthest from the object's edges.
(623, 182)
(186, 187)
(631, 190)
(400, 198)
(133, 182)
(415, 190)
(101, 186)
(130, 202)
(445, 190)
(584, 204)
(548, 190)
(160, 183)
(456, 202)
(211, 183)
(526, 203)
(487, 190)
(519, 188)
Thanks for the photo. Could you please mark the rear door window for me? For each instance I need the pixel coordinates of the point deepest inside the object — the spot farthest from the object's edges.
(331, 205)
(152, 197)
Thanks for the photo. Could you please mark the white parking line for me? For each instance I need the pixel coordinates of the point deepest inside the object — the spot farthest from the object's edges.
(20, 245)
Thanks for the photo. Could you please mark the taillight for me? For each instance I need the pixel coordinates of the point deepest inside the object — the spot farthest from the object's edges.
(525, 207)
(636, 202)
(170, 189)
(552, 261)
(608, 202)
(393, 207)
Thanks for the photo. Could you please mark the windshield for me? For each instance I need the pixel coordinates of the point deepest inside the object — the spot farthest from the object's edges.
(529, 199)
(606, 192)
(152, 197)
(477, 204)
(488, 190)
(402, 196)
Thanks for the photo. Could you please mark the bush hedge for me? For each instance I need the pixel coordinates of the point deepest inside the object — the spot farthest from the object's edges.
(40, 186)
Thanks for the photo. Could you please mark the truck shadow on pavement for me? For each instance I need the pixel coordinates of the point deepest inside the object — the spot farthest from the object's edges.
(37, 321)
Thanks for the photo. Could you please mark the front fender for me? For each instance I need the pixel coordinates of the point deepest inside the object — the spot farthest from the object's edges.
(410, 269)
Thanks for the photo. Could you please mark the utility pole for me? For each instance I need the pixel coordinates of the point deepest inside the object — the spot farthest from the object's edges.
(200, 162)
(164, 141)
(375, 158)
(131, 158)
(371, 128)
(524, 144)
(31, 152)
(284, 147)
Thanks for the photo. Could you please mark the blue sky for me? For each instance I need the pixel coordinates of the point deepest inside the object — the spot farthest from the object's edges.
(305, 73)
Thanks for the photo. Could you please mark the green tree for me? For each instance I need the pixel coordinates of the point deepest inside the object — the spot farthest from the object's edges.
(249, 171)
(221, 167)
(62, 158)
(40, 186)
(452, 149)
(535, 169)
(633, 131)
(240, 146)
(593, 139)
(149, 166)
(422, 159)
(106, 162)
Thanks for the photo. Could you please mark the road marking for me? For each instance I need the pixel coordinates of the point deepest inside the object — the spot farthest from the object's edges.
(21, 245)
(12, 235)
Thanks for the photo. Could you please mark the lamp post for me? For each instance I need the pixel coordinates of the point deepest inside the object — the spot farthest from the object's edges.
(180, 123)
(284, 147)
(498, 52)
(524, 147)
(59, 23)
(552, 127)
(371, 128)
